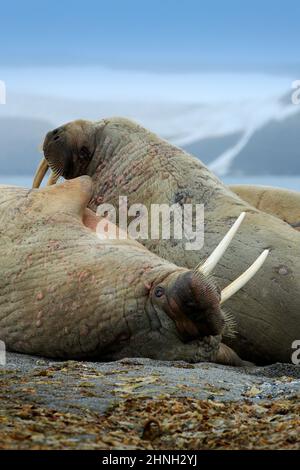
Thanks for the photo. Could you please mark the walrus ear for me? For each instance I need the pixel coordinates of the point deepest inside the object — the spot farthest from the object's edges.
(72, 196)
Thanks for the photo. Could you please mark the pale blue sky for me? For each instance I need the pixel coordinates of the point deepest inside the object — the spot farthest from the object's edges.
(153, 34)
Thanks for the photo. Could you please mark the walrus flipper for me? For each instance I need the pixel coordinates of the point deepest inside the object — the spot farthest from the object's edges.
(228, 357)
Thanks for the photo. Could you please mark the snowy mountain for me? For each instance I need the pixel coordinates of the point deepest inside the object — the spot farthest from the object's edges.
(235, 123)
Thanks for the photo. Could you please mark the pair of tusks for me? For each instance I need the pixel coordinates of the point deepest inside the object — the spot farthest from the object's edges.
(40, 174)
(208, 266)
(211, 261)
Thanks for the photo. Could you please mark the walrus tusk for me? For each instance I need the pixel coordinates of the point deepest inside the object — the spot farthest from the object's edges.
(40, 173)
(53, 178)
(211, 262)
(236, 285)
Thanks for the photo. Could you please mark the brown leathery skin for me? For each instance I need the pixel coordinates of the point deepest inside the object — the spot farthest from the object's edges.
(67, 294)
(282, 203)
(128, 160)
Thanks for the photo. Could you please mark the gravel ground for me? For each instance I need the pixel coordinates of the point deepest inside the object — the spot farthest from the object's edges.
(54, 404)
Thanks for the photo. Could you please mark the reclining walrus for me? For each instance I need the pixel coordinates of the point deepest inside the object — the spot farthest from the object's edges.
(125, 159)
(67, 293)
(282, 203)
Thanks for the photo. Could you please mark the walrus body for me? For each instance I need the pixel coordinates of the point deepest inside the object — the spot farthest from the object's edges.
(282, 203)
(65, 293)
(125, 159)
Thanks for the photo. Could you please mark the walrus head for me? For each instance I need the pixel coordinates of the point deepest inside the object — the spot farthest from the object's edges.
(68, 151)
(192, 301)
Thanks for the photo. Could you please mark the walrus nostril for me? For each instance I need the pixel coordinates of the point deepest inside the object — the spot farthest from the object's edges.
(55, 131)
(57, 137)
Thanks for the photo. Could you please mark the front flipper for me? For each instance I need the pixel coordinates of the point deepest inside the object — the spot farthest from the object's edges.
(228, 357)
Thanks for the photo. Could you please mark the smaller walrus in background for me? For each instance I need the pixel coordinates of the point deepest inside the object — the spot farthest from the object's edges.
(66, 293)
(282, 203)
(125, 159)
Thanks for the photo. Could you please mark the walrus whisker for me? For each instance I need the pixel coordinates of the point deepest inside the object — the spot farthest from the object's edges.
(211, 262)
(208, 277)
(40, 173)
(236, 285)
(230, 325)
(53, 178)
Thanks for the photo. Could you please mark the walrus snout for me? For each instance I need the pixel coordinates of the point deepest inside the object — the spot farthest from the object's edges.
(193, 303)
(68, 151)
(57, 153)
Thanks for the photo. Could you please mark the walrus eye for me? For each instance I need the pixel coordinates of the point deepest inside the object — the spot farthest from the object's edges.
(159, 291)
(84, 153)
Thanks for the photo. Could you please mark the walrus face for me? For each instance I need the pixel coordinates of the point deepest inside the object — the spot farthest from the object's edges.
(68, 151)
(193, 303)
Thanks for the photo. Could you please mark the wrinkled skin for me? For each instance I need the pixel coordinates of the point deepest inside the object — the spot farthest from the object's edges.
(282, 203)
(125, 159)
(65, 293)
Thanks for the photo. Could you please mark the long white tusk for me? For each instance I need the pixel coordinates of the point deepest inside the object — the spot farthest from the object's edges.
(208, 266)
(236, 285)
(40, 173)
(53, 178)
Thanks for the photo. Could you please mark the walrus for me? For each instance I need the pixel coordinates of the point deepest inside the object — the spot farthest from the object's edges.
(282, 203)
(68, 293)
(123, 158)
